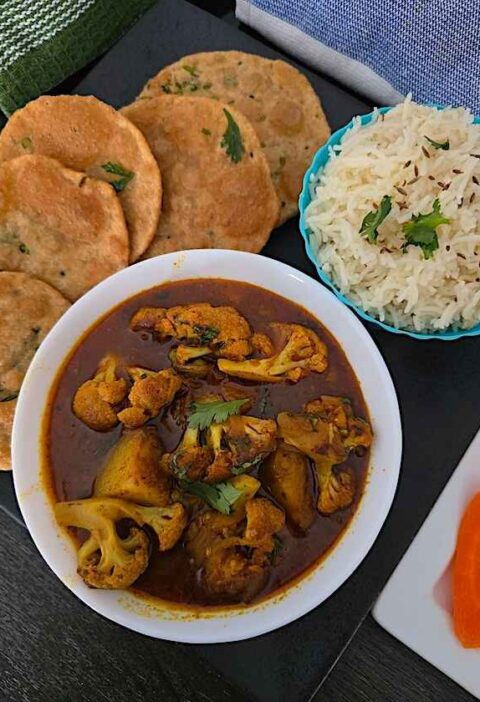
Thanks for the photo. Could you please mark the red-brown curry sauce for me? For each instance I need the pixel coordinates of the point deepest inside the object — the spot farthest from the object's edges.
(74, 453)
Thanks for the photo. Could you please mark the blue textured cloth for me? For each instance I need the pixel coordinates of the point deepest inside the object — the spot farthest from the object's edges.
(428, 47)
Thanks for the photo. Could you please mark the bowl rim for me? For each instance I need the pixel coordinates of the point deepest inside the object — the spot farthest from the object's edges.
(151, 618)
(319, 161)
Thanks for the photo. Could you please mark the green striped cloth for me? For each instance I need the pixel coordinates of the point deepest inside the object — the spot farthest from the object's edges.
(42, 42)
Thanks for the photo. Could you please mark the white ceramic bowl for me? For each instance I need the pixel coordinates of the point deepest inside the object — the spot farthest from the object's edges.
(156, 619)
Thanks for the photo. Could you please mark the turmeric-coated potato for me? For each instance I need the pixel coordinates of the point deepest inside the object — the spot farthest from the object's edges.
(133, 472)
(285, 473)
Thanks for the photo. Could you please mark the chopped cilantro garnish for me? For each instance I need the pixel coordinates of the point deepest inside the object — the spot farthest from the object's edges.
(373, 219)
(230, 81)
(232, 139)
(277, 547)
(124, 176)
(23, 248)
(221, 496)
(206, 131)
(190, 69)
(206, 413)
(246, 465)
(206, 334)
(26, 143)
(421, 230)
(6, 396)
(444, 145)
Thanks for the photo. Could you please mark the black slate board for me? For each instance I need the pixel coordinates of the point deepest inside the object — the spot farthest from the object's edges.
(437, 385)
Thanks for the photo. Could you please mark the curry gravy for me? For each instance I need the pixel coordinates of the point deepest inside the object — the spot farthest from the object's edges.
(74, 453)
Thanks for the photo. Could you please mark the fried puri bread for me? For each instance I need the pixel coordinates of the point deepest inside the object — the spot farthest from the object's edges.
(59, 225)
(277, 99)
(217, 190)
(87, 135)
(28, 309)
(7, 411)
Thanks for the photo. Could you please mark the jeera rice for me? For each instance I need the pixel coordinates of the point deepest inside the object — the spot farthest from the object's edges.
(395, 217)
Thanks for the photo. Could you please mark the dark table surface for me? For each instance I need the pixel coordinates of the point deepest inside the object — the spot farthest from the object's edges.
(49, 649)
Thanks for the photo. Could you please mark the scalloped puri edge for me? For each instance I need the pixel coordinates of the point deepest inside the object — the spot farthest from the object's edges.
(319, 162)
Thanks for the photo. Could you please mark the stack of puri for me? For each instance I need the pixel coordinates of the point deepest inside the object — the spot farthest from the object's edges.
(80, 196)
(211, 155)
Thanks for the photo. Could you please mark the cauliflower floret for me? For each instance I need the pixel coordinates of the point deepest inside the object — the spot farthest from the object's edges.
(151, 391)
(262, 344)
(152, 320)
(132, 470)
(326, 431)
(190, 361)
(94, 401)
(263, 521)
(239, 444)
(356, 432)
(301, 352)
(106, 560)
(336, 489)
(234, 551)
(113, 563)
(220, 331)
(225, 449)
(191, 459)
(168, 522)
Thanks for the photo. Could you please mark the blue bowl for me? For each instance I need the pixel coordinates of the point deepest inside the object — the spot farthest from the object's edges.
(319, 161)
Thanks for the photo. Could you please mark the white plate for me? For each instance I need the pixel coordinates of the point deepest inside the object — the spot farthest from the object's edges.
(229, 625)
(416, 604)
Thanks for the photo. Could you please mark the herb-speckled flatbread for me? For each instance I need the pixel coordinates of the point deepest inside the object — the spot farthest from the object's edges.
(87, 135)
(59, 225)
(277, 99)
(28, 310)
(217, 190)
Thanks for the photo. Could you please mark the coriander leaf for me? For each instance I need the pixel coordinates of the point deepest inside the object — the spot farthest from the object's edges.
(232, 139)
(373, 219)
(190, 69)
(444, 145)
(206, 413)
(206, 131)
(206, 334)
(277, 547)
(124, 176)
(230, 81)
(221, 496)
(247, 465)
(23, 248)
(7, 397)
(421, 230)
(26, 143)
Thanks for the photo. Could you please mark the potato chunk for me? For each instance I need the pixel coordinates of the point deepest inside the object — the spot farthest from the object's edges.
(133, 471)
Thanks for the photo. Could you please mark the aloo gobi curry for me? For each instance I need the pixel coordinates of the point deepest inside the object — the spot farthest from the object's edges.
(206, 443)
